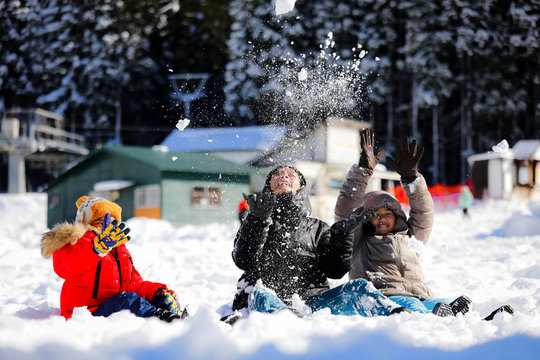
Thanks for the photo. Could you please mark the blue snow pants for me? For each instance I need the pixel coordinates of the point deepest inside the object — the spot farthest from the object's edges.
(351, 298)
(126, 301)
(416, 304)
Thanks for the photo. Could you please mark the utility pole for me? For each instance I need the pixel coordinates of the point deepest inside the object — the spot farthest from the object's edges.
(187, 88)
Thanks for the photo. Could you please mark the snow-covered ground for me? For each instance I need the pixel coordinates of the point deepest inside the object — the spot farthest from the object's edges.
(493, 257)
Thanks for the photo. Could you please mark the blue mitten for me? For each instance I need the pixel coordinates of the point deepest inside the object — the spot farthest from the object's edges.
(112, 235)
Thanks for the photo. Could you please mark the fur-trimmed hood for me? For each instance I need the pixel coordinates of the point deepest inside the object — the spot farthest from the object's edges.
(61, 235)
(381, 199)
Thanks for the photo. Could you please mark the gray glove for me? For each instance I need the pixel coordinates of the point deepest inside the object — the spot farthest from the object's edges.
(262, 204)
(349, 223)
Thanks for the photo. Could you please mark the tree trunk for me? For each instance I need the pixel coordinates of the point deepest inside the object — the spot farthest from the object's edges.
(465, 113)
(414, 110)
(389, 121)
(435, 126)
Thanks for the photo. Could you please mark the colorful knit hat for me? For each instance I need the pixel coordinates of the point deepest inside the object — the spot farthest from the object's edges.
(92, 208)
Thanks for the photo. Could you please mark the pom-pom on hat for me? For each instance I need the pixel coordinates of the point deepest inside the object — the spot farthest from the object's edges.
(90, 208)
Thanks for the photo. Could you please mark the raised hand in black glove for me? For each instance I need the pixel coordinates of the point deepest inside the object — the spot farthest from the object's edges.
(368, 159)
(349, 223)
(262, 204)
(407, 159)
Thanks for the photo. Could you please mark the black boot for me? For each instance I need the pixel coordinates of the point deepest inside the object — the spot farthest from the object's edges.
(504, 308)
(184, 314)
(443, 310)
(231, 319)
(166, 315)
(400, 310)
(461, 305)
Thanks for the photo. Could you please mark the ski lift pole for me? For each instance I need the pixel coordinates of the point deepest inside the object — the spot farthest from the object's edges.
(187, 88)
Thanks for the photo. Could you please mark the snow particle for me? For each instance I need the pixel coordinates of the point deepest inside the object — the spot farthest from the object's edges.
(284, 6)
(302, 75)
(181, 124)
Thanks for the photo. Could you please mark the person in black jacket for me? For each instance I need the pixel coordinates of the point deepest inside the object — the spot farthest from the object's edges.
(283, 252)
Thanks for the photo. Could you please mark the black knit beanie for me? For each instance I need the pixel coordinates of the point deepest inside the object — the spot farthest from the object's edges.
(271, 173)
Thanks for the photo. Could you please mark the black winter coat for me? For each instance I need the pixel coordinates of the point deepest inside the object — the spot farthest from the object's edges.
(290, 252)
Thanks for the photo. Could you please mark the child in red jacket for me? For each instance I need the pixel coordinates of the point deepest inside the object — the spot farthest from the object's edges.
(98, 269)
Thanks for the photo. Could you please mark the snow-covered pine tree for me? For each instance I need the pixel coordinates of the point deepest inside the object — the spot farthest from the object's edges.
(428, 51)
(88, 52)
(380, 29)
(16, 57)
(270, 53)
(256, 49)
(325, 78)
(504, 62)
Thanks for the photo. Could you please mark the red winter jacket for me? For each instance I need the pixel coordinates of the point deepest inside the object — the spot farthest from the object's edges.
(90, 280)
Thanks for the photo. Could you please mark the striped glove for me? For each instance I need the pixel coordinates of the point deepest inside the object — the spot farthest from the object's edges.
(112, 235)
(169, 301)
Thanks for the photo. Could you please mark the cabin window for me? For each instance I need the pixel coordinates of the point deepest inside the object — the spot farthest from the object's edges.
(54, 201)
(206, 196)
(524, 175)
(148, 196)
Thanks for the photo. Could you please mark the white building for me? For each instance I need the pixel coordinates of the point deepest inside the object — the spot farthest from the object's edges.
(514, 173)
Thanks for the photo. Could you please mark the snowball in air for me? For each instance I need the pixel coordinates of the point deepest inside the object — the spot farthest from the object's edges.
(181, 124)
(302, 75)
(501, 147)
(284, 6)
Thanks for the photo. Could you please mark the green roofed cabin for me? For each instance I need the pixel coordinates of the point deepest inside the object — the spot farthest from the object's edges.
(180, 187)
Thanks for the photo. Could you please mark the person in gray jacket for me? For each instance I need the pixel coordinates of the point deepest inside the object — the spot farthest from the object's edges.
(381, 252)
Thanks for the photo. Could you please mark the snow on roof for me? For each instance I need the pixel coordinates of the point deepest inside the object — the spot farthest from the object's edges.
(522, 150)
(509, 154)
(527, 149)
(109, 185)
(261, 138)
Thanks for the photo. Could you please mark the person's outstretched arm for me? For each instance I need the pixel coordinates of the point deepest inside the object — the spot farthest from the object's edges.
(422, 213)
(336, 244)
(358, 176)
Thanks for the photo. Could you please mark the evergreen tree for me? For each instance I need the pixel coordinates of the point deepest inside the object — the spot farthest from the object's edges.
(288, 68)
(256, 49)
(91, 50)
(193, 40)
(16, 57)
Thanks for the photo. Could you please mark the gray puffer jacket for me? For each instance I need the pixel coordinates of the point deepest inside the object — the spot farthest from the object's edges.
(386, 260)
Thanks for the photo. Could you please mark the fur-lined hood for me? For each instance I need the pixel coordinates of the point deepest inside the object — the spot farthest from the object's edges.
(61, 235)
(381, 199)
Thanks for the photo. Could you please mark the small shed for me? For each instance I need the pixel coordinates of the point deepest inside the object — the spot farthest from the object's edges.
(183, 188)
(514, 173)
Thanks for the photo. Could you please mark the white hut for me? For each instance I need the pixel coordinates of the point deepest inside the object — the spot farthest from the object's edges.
(514, 173)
